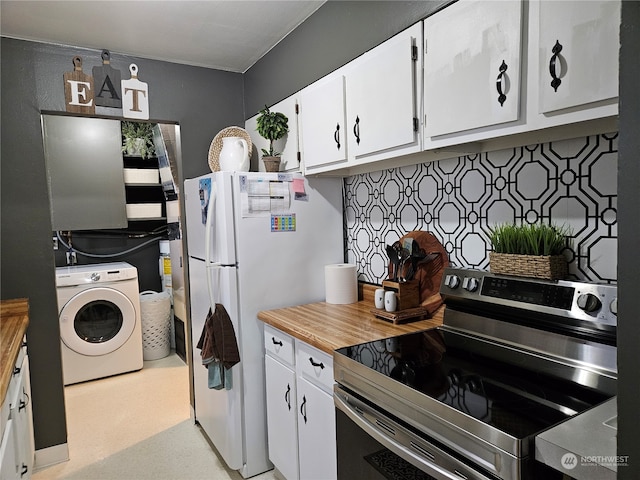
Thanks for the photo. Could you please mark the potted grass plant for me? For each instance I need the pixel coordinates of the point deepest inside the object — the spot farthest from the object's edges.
(271, 126)
(529, 250)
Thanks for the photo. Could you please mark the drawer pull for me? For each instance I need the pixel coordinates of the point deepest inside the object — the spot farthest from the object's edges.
(276, 342)
(321, 365)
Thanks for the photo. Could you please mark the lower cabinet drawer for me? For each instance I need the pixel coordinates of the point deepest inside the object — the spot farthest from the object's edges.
(279, 345)
(315, 365)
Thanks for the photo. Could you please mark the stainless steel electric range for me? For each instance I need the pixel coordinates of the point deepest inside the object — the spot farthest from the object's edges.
(513, 358)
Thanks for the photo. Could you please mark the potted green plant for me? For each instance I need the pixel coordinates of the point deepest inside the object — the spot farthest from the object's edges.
(137, 139)
(529, 250)
(272, 126)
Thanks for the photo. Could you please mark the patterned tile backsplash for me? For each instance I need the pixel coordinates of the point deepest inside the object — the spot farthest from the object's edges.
(571, 183)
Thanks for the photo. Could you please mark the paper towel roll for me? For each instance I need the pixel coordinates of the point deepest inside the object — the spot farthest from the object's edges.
(341, 283)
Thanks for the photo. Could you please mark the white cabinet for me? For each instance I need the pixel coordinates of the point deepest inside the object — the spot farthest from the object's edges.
(8, 454)
(578, 44)
(366, 111)
(316, 414)
(300, 410)
(287, 146)
(281, 415)
(472, 66)
(323, 135)
(465, 45)
(382, 98)
(17, 448)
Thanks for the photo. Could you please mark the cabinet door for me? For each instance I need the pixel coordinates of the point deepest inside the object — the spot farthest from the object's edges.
(287, 146)
(23, 426)
(316, 433)
(322, 123)
(472, 66)
(8, 462)
(578, 45)
(281, 417)
(381, 96)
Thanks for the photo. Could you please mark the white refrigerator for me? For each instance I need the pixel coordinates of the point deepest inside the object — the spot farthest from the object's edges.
(255, 241)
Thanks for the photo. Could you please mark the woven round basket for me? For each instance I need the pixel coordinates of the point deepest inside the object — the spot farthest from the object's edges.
(216, 144)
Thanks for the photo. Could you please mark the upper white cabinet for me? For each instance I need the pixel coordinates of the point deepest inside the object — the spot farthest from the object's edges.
(367, 110)
(472, 66)
(287, 146)
(382, 97)
(560, 72)
(578, 45)
(323, 134)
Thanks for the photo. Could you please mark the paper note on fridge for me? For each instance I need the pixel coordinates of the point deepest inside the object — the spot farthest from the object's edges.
(263, 197)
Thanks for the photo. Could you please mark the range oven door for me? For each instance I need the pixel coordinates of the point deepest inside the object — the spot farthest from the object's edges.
(371, 446)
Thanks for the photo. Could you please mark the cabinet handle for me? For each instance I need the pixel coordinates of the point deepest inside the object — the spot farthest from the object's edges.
(276, 342)
(555, 82)
(24, 471)
(356, 130)
(502, 76)
(16, 370)
(321, 365)
(287, 396)
(336, 136)
(303, 408)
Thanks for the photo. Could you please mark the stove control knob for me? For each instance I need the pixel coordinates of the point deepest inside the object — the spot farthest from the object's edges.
(95, 277)
(613, 306)
(452, 281)
(589, 302)
(470, 284)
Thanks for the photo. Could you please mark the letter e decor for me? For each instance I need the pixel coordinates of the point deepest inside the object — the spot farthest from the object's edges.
(107, 83)
(135, 96)
(78, 89)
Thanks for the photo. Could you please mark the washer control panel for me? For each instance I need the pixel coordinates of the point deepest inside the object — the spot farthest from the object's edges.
(95, 273)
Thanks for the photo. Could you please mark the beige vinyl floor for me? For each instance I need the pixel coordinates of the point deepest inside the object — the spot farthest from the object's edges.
(137, 426)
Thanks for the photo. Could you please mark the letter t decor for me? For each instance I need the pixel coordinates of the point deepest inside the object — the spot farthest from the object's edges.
(135, 96)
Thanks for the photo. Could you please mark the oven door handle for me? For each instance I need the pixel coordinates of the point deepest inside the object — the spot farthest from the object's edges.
(381, 434)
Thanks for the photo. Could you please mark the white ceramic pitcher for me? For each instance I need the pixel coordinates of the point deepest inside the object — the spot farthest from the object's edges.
(234, 155)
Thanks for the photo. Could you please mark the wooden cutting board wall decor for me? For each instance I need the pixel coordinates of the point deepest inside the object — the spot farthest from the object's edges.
(107, 83)
(78, 89)
(135, 96)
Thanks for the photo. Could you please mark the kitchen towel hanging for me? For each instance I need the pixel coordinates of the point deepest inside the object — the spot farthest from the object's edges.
(341, 283)
(219, 348)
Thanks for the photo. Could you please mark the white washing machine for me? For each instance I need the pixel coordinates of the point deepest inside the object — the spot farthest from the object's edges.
(100, 322)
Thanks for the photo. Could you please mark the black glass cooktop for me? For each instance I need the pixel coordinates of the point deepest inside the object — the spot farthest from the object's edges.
(509, 396)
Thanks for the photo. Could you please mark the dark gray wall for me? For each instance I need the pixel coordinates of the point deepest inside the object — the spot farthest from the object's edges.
(335, 34)
(203, 101)
(629, 242)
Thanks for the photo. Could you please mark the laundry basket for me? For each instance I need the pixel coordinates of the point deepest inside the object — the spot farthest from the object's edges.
(155, 310)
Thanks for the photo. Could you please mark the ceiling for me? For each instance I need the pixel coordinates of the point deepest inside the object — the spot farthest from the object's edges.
(227, 35)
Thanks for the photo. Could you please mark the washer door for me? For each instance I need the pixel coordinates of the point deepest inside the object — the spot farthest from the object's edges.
(97, 321)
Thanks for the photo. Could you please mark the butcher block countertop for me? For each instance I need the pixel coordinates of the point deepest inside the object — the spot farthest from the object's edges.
(14, 319)
(328, 326)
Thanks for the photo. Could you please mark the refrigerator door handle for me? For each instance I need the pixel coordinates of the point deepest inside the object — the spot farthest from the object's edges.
(209, 265)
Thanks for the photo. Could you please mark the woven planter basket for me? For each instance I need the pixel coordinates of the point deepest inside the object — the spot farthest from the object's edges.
(550, 267)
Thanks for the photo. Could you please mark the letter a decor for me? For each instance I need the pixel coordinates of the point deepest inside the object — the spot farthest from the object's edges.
(107, 83)
(135, 96)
